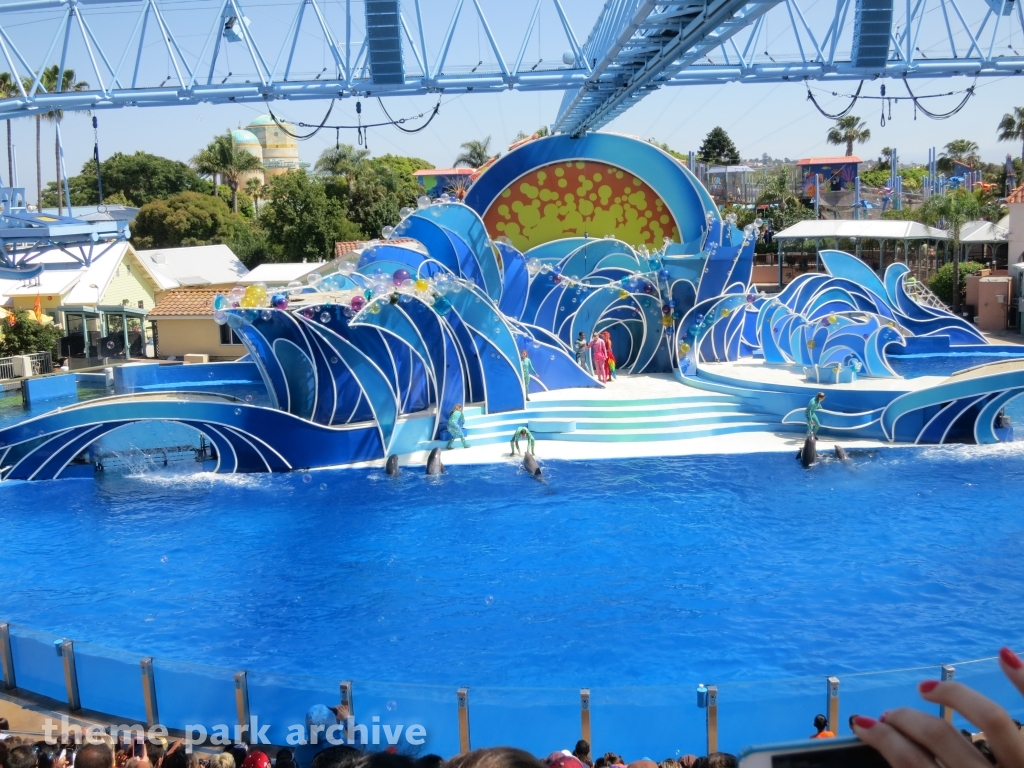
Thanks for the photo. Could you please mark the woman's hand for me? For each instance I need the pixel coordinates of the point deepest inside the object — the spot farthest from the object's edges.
(908, 738)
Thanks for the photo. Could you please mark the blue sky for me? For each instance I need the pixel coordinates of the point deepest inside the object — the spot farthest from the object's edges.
(772, 118)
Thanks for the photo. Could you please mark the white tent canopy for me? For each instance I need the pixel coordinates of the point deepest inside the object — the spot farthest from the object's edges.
(977, 232)
(878, 229)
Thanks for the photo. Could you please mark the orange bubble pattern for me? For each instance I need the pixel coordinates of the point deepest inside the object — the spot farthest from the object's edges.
(570, 199)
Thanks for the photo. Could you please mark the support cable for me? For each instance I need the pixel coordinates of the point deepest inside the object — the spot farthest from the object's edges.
(360, 127)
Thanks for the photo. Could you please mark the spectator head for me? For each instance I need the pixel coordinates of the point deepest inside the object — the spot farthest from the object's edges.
(820, 723)
(340, 756)
(255, 759)
(176, 759)
(155, 751)
(721, 760)
(430, 761)
(982, 746)
(643, 763)
(238, 752)
(222, 760)
(22, 756)
(496, 757)
(562, 760)
(3, 754)
(44, 754)
(94, 756)
(4, 725)
(669, 762)
(687, 761)
(582, 746)
(284, 759)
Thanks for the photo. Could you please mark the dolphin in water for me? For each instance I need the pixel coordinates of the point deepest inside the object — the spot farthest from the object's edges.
(530, 465)
(434, 465)
(391, 467)
(809, 453)
(840, 453)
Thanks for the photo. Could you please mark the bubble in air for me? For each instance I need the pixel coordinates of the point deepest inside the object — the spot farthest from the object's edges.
(489, 600)
(248, 398)
(325, 317)
(392, 706)
(307, 478)
(238, 411)
(323, 486)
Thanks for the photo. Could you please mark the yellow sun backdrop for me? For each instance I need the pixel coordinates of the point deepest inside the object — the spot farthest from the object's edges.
(570, 199)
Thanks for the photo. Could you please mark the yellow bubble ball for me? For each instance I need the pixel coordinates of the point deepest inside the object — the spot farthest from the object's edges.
(248, 302)
(684, 348)
(422, 285)
(811, 344)
(623, 294)
(832, 318)
(375, 308)
(724, 312)
(666, 320)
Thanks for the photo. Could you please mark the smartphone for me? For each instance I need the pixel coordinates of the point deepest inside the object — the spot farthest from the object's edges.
(139, 747)
(849, 752)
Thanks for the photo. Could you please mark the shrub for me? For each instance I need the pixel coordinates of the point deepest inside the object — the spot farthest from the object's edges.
(941, 282)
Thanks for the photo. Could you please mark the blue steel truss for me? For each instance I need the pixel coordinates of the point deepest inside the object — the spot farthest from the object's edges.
(153, 53)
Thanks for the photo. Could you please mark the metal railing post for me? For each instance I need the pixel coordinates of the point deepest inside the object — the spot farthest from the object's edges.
(348, 702)
(712, 721)
(463, 698)
(585, 716)
(948, 673)
(149, 692)
(7, 657)
(66, 650)
(832, 703)
(242, 705)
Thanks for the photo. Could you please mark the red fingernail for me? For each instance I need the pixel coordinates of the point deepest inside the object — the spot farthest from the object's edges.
(927, 686)
(1010, 658)
(863, 722)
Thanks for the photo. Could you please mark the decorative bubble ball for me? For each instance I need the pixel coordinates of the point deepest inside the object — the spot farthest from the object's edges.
(279, 301)
(400, 276)
(357, 303)
(422, 285)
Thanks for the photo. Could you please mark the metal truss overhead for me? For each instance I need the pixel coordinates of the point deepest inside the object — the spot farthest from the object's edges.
(268, 68)
(638, 46)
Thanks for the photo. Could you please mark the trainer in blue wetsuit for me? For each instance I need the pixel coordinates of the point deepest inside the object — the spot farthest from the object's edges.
(528, 370)
(811, 414)
(455, 422)
(521, 432)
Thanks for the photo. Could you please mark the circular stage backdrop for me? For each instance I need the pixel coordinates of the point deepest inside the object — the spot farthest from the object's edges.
(601, 184)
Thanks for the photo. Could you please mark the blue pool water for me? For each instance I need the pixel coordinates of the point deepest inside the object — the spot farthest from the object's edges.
(635, 572)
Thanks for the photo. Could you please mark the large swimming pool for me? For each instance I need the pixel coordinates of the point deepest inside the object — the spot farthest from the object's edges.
(637, 572)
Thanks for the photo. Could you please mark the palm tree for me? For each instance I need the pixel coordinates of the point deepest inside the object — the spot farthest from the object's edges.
(221, 156)
(774, 188)
(848, 130)
(48, 82)
(1011, 128)
(343, 162)
(256, 189)
(8, 90)
(953, 210)
(476, 153)
(962, 151)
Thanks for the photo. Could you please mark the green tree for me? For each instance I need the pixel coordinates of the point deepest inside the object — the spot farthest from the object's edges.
(775, 188)
(138, 178)
(848, 130)
(48, 82)
(941, 282)
(255, 189)
(718, 148)
(957, 151)
(301, 221)
(952, 211)
(188, 218)
(8, 90)
(474, 153)
(1011, 128)
(222, 158)
(27, 337)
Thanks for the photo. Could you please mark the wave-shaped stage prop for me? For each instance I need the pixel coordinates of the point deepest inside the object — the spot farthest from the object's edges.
(370, 356)
(838, 328)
